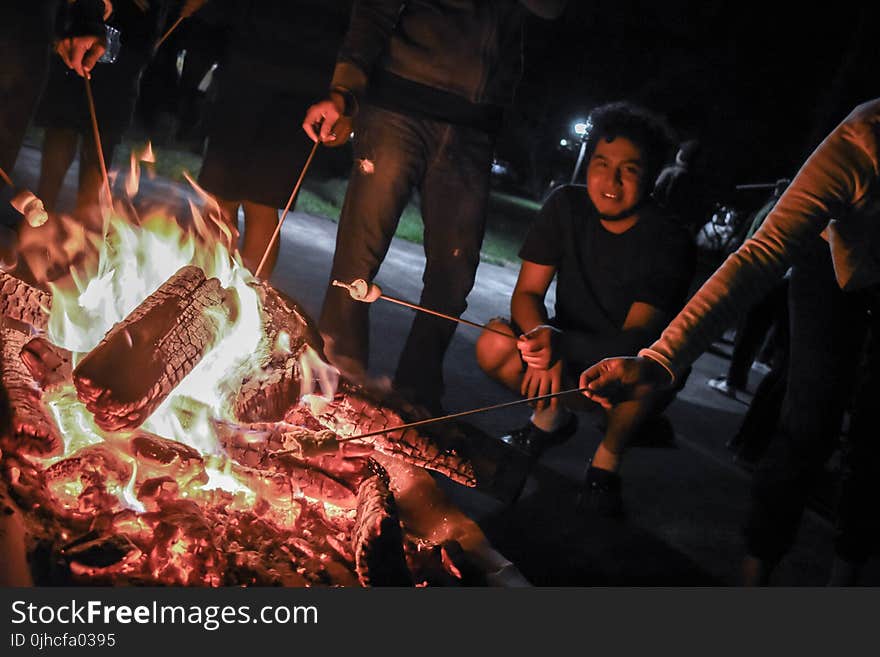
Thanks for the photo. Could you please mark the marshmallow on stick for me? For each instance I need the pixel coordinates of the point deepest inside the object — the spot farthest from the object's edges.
(28, 204)
(360, 290)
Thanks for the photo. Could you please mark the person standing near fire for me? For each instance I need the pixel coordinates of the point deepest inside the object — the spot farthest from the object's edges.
(64, 111)
(268, 73)
(826, 226)
(28, 30)
(424, 84)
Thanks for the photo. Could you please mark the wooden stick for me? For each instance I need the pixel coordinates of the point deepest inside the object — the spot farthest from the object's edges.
(444, 316)
(6, 178)
(168, 33)
(443, 418)
(96, 134)
(286, 210)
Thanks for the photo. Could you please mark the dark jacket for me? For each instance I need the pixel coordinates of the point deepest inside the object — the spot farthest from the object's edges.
(470, 48)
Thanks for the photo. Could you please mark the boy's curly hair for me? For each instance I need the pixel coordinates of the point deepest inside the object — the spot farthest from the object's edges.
(644, 128)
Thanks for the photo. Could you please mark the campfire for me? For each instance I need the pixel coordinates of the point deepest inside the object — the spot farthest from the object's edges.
(171, 421)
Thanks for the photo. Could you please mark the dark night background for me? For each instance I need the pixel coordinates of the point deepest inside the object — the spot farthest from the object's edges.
(758, 84)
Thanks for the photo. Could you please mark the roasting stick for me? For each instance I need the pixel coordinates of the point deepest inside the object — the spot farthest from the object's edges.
(286, 209)
(360, 291)
(168, 33)
(96, 134)
(443, 418)
(6, 178)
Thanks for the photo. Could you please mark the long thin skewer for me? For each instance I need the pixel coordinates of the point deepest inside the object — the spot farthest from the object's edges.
(414, 306)
(168, 33)
(444, 316)
(97, 137)
(443, 418)
(286, 209)
(6, 178)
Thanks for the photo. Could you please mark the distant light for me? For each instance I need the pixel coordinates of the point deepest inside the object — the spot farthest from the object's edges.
(563, 142)
(580, 128)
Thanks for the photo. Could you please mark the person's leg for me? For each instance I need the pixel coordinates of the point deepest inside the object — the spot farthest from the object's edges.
(858, 524)
(825, 328)
(260, 222)
(389, 159)
(498, 356)
(750, 337)
(455, 192)
(59, 149)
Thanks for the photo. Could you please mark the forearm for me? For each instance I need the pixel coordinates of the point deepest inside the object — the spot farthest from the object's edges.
(548, 9)
(369, 30)
(826, 186)
(527, 310)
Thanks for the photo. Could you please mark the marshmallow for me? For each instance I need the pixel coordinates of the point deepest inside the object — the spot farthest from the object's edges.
(27, 203)
(360, 290)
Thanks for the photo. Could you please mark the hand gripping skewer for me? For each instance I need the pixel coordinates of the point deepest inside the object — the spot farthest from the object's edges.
(444, 418)
(290, 201)
(368, 293)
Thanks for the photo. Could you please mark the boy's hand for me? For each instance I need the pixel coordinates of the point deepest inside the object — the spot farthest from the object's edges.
(536, 347)
(543, 382)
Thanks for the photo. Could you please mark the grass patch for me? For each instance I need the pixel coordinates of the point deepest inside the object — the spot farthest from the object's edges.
(507, 223)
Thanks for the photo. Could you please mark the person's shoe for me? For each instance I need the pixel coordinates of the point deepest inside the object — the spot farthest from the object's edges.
(722, 385)
(533, 441)
(602, 493)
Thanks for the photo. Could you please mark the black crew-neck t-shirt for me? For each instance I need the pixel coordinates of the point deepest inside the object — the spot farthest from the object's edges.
(601, 274)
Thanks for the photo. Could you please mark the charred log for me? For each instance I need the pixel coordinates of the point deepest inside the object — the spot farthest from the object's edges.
(24, 302)
(283, 314)
(49, 365)
(267, 396)
(352, 413)
(29, 430)
(141, 360)
(378, 538)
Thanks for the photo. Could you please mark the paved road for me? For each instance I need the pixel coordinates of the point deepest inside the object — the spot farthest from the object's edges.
(685, 504)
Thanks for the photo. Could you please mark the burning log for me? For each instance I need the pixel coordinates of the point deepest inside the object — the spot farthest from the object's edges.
(160, 342)
(283, 314)
(161, 457)
(31, 430)
(351, 413)
(266, 398)
(49, 365)
(378, 539)
(23, 302)
(13, 551)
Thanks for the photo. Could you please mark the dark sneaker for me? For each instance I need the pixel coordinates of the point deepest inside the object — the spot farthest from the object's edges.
(602, 493)
(533, 441)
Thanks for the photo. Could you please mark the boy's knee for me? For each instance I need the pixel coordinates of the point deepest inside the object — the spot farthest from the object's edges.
(492, 349)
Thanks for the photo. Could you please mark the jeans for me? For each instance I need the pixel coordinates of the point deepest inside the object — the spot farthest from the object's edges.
(828, 329)
(449, 165)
